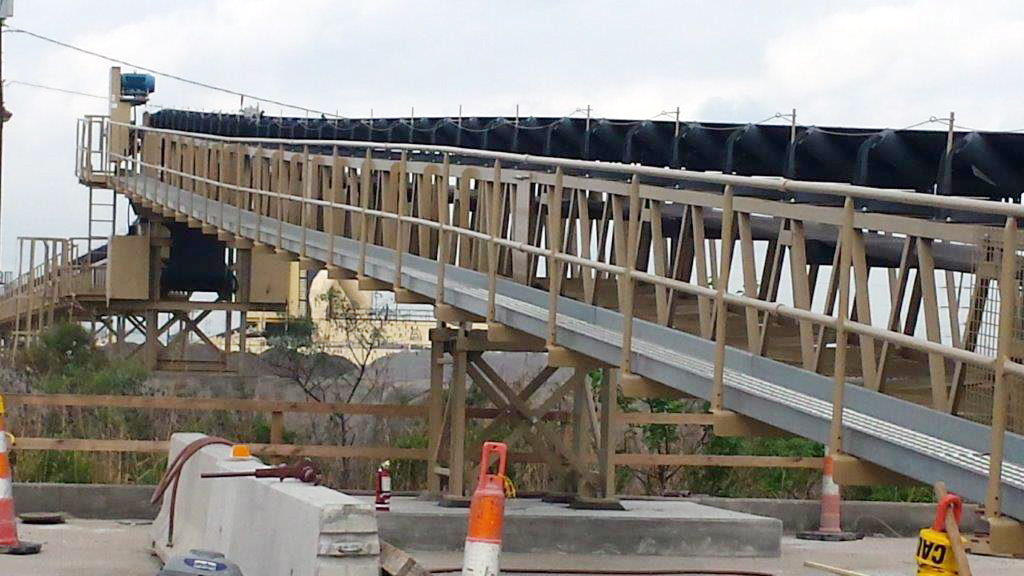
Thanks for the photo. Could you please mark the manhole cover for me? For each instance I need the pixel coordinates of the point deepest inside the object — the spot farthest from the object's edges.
(42, 517)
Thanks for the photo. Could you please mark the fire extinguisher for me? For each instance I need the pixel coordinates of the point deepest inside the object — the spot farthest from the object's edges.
(382, 488)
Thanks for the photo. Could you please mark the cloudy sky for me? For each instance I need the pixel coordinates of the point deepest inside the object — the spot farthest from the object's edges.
(870, 63)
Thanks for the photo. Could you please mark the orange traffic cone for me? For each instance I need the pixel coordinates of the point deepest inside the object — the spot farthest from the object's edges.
(829, 528)
(9, 543)
(481, 556)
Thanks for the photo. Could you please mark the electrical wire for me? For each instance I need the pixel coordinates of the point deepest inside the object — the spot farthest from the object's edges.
(52, 88)
(334, 115)
(929, 120)
(168, 74)
(68, 91)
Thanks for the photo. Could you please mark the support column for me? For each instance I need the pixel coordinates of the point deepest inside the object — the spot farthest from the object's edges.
(457, 449)
(606, 443)
(152, 345)
(435, 424)
(582, 430)
(243, 272)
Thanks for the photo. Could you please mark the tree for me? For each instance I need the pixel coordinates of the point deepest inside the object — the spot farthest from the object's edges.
(332, 361)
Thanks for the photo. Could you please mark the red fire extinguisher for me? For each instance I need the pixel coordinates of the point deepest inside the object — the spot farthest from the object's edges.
(382, 488)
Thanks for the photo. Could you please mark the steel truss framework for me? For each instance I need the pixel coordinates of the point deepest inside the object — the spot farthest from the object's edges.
(642, 273)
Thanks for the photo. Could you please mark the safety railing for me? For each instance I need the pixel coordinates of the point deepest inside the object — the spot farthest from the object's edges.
(50, 271)
(92, 164)
(532, 220)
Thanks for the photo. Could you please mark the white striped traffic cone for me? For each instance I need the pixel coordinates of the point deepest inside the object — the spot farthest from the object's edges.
(481, 556)
(9, 543)
(830, 527)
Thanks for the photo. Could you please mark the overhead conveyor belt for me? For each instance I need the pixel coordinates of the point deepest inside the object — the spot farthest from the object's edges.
(980, 164)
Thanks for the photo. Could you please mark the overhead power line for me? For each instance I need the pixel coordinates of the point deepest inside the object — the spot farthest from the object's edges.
(52, 88)
(170, 75)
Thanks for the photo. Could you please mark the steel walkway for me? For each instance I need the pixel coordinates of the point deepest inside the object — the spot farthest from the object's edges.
(905, 437)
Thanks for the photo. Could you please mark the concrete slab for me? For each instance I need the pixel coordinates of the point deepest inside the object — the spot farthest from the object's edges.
(108, 548)
(649, 528)
(85, 548)
(874, 556)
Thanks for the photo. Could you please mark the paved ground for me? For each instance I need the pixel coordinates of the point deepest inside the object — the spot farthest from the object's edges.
(872, 556)
(108, 548)
(84, 548)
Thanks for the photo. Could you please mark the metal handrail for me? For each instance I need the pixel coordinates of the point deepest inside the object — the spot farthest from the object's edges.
(897, 338)
(777, 184)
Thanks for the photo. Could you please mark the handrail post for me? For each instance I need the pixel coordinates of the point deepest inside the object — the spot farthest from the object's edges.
(402, 192)
(493, 230)
(178, 165)
(192, 168)
(161, 173)
(627, 283)
(307, 188)
(282, 189)
(261, 198)
(724, 265)
(222, 164)
(1008, 286)
(241, 197)
(330, 213)
(554, 265)
(843, 309)
(366, 182)
(442, 220)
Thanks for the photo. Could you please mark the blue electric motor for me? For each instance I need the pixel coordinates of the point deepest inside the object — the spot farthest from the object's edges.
(200, 563)
(136, 88)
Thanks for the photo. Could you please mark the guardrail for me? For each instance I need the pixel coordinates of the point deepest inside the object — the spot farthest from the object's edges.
(51, 272)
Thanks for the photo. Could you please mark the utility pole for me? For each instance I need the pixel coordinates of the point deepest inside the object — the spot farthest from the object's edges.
(6, 11)
(3, 120)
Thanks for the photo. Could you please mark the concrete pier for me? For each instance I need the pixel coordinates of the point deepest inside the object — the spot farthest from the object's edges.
(651, 527)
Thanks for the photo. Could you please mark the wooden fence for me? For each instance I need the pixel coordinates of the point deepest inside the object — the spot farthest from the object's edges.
(276, 410)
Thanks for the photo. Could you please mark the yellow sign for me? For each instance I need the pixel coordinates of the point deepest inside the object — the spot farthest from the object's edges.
(934, 554)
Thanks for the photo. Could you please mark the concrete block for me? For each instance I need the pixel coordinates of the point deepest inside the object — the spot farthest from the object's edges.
(267, 526)
(106, 501)
(648, 528)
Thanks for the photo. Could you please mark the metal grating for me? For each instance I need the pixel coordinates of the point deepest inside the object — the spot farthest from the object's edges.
(975, 398)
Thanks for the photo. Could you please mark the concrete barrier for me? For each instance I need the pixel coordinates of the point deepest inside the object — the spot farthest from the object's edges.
(112, 501)
(873, 518)
(106, 501)
(268, 527)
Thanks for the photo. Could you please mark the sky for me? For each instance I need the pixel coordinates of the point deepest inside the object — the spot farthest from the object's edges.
(852, 63)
